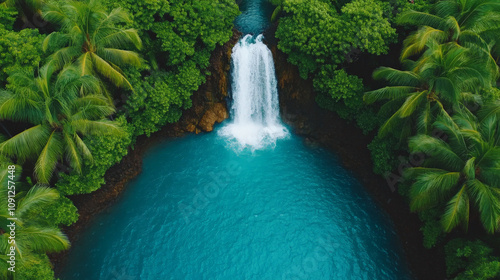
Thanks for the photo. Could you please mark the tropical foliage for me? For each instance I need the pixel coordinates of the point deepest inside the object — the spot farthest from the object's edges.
(464, 169)
(444, 77)
(33, 237)
(471, 260)
(446, 100)
(313, 33)
(77, 92)
(471, 23)
(19, 50)
(92, 38)
(62, 110)
(73, 101)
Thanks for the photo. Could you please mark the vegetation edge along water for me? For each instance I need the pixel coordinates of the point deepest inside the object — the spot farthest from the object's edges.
(75, 102)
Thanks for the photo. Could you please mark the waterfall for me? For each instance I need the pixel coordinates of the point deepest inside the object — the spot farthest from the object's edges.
(255, 109)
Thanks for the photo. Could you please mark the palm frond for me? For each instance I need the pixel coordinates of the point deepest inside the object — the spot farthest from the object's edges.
(432, 187)
(27, 143)
(110, 72)
(44, 240)
(397, 77)
(392, 92)
(457, 211)
(488, 204)
(437, 149)
(419, 18)
(48, 158)
(37, 196)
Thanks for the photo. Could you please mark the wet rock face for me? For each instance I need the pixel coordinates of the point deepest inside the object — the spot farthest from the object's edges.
(209, 102)
(216, 113)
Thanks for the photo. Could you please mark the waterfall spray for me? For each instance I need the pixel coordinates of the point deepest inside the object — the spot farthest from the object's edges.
(255, 110)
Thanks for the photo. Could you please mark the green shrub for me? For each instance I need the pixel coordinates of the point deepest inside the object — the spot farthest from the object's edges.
(160, 98)
(7, 17)
(432, 228)
(106, 150)
(19, 51)
(468, 260)
(62, 212)
(37, 267)
(383, 151)
(313, 33)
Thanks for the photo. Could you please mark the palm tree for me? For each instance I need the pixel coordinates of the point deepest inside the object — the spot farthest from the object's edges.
(445, 76)
(63, 110)
(470, 23)
(32, 235)
(462, 172)
(92, 38)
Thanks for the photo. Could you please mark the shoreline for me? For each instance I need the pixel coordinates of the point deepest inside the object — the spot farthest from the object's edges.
(299, 110)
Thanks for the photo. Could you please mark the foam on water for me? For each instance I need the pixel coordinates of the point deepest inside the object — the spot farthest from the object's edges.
(255, 110)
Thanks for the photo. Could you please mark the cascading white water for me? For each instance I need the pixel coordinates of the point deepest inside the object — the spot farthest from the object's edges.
(256, 122)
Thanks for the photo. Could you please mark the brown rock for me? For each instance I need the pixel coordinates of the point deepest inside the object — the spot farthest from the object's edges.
(216, 113)
(190, 127)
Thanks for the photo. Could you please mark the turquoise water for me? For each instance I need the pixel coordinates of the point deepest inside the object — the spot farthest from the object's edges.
(255, 16)
(203, 209)
(200, 210)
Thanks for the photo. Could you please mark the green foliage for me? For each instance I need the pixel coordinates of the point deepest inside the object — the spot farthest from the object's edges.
(370, 31)
(34, 236)
(445, 77)
(195, 26)
(160, 98)
(176, 31)
(468, 260)
(61, 212)
(432, 229)
(19, 51)
(339, 86)
(37, 268)
(490, 94)
(383, 151)
(63, 109)
(367, 120)
(92, 39)
(342, 93)
(181, 35)
(106, 150)
(461, 174)
(143, 14)
(7, 17)
(313, 34)
(469, 23)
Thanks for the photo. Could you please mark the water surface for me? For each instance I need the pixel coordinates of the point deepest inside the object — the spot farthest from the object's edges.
(255, 16)
(248, 201)
(200, 210)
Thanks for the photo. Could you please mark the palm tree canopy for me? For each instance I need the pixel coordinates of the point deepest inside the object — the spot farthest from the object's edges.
(63, 109)
(444, 77)
(462, 171)
(32, 234)
(92, 38)
(471, 23)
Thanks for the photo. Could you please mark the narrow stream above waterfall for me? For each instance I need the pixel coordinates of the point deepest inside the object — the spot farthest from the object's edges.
(247, 201)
